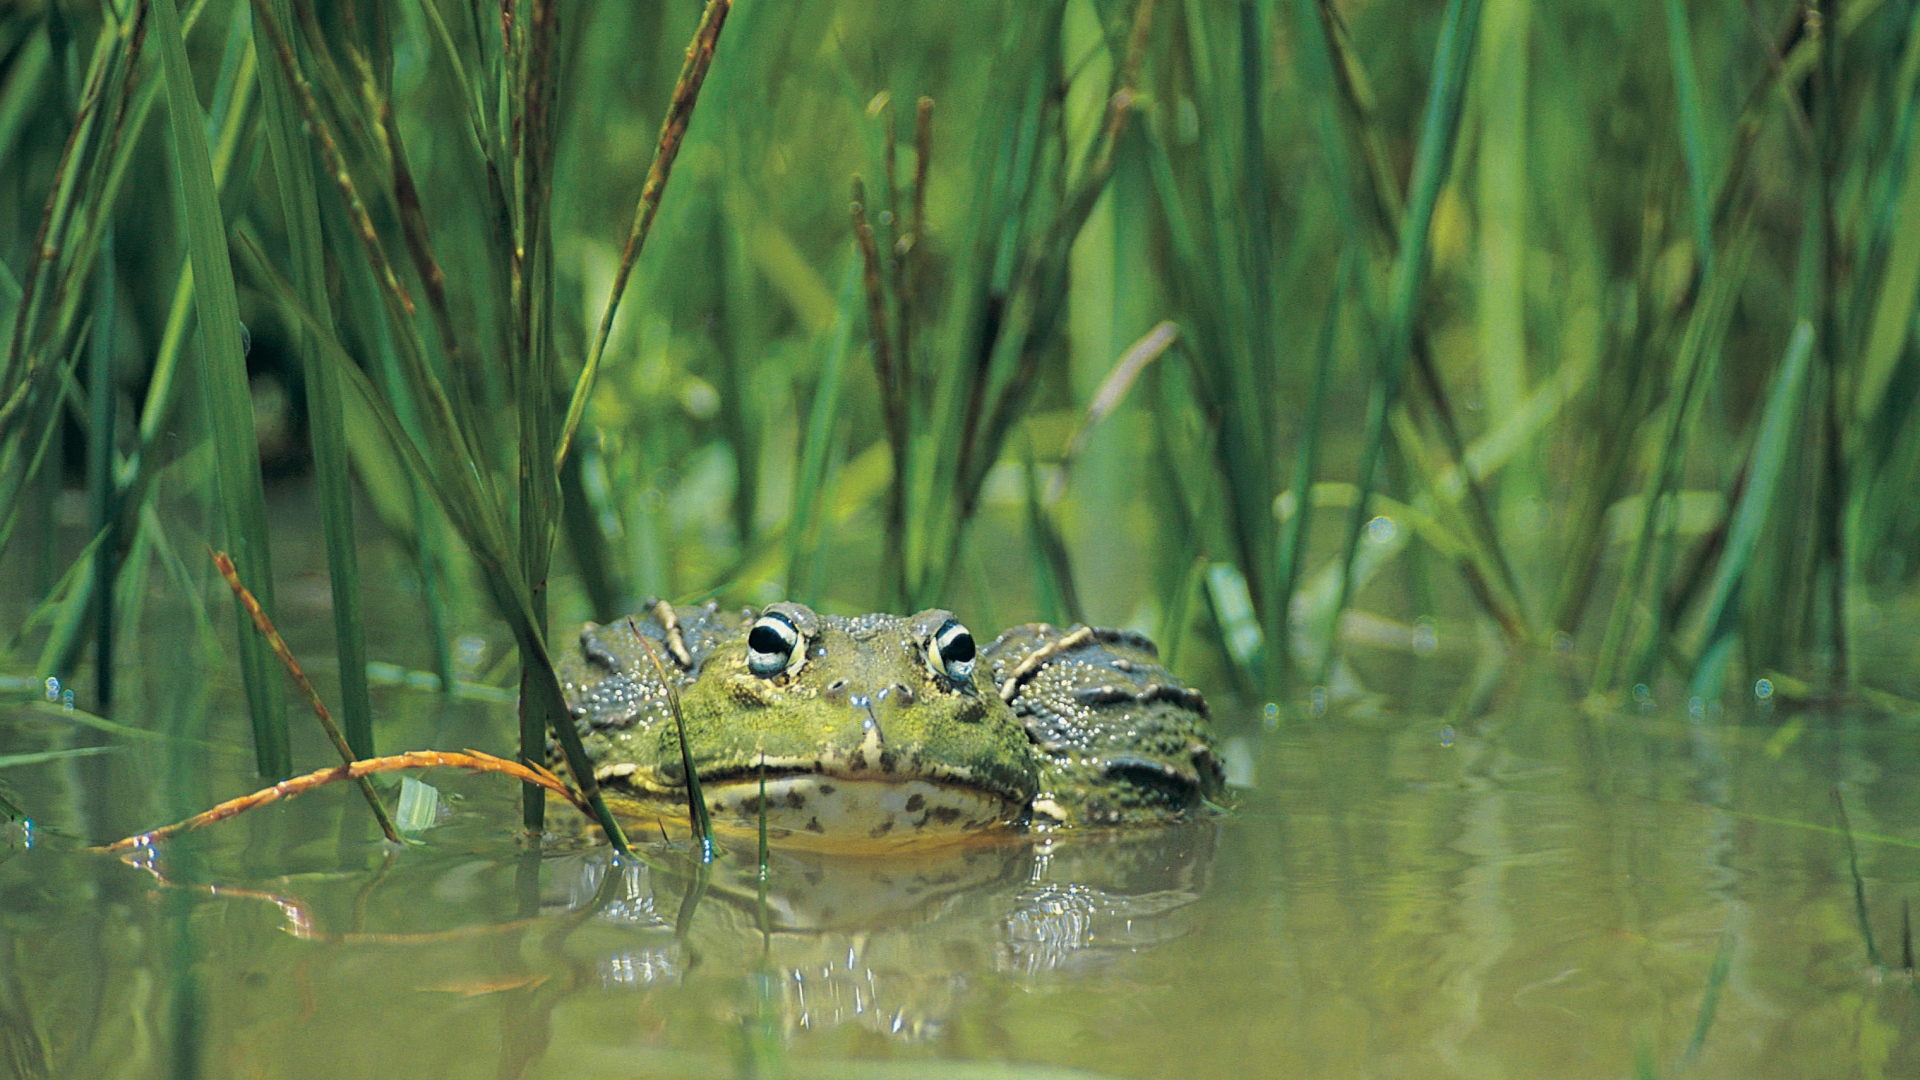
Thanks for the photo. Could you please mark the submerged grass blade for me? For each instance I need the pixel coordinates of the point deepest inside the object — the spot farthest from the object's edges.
(224, 380)
(1710, 998)
(1859, 883)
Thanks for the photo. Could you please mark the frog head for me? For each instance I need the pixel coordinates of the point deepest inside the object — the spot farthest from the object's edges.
(871, 730)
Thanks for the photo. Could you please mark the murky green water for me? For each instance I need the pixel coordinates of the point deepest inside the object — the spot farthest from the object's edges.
(1533, 892)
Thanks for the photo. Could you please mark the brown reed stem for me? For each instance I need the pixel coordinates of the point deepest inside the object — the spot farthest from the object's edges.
(264, 624)
(358, 770)
(673, 130)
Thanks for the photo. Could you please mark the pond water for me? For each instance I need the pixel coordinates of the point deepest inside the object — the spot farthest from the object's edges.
(1518, 889)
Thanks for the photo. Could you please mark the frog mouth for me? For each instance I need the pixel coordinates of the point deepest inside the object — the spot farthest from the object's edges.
(809, 809)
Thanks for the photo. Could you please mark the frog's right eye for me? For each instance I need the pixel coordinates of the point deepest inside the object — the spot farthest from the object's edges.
(771, 645)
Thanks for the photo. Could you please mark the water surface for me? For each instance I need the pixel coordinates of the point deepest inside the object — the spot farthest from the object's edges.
(1517, 889)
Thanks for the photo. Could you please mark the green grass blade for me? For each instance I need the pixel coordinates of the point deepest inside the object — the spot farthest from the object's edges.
(1893, 307)
(1693, 136)
(102, 405)
(1695, 365)
(1289, 552)
(1439, 131)
(224, 379)
(300, 212)
(804, 535)
(1778, 423)
(13, 761)
(1710, 998)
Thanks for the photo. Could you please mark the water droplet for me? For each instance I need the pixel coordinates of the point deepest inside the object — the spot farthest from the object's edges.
(1446, 735)
(1270, 716)
(1381, 530)
(1317, 701)
(246, 341)
(820, 652)
(858, 701)
(882, 695)
(1696, 708)
(1642, 694)
(53, 688)
(1562, 641)
(66, 700)
(1426, 636)
(1763, 689)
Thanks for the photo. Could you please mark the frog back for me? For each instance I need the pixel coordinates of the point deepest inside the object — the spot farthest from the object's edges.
(1123, 740)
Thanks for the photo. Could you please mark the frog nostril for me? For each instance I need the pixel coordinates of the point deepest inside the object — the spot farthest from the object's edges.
(835, 688)
(902, 694)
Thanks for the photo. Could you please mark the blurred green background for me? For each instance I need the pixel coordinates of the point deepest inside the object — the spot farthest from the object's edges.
(1583, 325)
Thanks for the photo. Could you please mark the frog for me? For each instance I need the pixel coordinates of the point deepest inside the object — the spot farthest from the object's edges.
(881, 731)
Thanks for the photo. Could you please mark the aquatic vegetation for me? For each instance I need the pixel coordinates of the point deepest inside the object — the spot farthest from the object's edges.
(1334, 345)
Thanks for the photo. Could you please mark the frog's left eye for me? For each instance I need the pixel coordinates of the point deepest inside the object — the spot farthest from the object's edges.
(772, 644)
(951, 651)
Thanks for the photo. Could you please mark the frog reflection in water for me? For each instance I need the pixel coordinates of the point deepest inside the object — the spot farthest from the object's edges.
(882, 730)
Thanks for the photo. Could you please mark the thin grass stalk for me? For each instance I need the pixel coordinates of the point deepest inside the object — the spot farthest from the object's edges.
(809, 486)
(1694, 366)
(265, 626)
(1771, 444)
(696, 801)
(1440, 128)
(1331, 61)
(1034, 315)
(102, 404)
(534, 368)
(893, 399)
(300, 211)
(224, 378)
(1833, 496)
(673, 130)
(1290, 549)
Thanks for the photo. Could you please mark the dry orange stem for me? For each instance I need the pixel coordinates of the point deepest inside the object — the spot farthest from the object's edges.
(358, 770)
(279, 644)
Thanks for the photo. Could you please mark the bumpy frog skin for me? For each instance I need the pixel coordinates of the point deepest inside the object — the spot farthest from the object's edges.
(883, 731)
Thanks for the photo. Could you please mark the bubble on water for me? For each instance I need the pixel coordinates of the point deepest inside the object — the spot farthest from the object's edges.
(53, 688)
(1381, 529)
(1270, 716)
(1763, 689)
(1426, 636)
(1562, 641)
(66, 700)
(1642, 694)
(1696, 708)
(468, 651)
(1446, 735)
(1317, 701)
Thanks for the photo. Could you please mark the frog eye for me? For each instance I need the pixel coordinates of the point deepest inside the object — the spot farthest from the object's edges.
(951, 651)
(771, 644)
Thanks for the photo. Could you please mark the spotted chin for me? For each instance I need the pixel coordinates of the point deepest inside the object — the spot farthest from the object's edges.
(833, 813)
